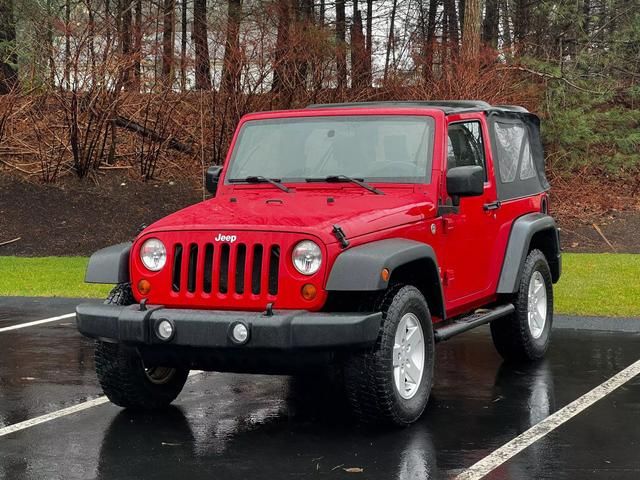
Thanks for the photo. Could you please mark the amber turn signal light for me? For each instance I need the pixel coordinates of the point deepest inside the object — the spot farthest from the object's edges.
(385, 274)
(309, 291)
(144, 286)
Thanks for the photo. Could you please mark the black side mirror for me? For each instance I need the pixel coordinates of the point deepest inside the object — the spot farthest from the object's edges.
(211, 180)
(467, 181)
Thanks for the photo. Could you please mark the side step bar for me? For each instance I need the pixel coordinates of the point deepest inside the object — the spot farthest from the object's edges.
(469, 322)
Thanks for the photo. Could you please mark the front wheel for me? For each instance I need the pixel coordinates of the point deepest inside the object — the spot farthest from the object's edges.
(391, 383)
(525, 334)
(124, 378)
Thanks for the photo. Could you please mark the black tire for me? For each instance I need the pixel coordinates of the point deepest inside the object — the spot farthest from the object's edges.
(124, 378)
(512, 336)
(369, 376)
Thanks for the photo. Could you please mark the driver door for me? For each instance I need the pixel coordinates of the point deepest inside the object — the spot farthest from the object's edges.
(471, 232)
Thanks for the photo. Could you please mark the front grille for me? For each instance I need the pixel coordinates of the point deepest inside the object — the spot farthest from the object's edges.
(225, 268)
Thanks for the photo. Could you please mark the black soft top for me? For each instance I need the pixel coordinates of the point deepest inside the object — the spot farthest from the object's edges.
(505, 123)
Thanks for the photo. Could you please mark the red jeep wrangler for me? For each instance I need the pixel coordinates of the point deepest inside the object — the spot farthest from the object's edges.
(353, 236)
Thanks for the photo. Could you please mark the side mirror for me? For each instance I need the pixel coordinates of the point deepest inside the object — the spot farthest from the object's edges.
(211, 180)
(467, 181)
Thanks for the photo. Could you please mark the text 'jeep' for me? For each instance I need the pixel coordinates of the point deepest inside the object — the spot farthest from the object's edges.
(351, 237)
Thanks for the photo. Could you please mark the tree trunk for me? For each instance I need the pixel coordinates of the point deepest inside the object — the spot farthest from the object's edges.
(521, 23)
(471, 31)
(8, 57)
(341, 52)
(490, 26)
(369, 42)
(183, 48)
(137, 46)
(167, 43)
(390, 38)
(462, 11)
(232, 62)
(67, 44)
(124, 17)
(428, 24)
(506, 26)
(282, 60)
(200, 35)
(453, 34)
(359, 61)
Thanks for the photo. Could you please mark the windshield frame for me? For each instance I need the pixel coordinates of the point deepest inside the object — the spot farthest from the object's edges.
(429, 143)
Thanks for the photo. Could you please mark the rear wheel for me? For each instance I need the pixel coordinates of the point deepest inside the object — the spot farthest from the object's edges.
(391, 383)
(124, 378)
(525, 334)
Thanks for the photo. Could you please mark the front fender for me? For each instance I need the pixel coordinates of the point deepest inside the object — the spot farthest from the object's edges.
(109, 265)
(359, 268)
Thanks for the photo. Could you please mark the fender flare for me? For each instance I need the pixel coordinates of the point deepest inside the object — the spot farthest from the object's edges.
(109, 265)
(358, 269)
(522, 232)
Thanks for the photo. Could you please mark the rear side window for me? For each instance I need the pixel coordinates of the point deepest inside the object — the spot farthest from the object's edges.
(514, 152)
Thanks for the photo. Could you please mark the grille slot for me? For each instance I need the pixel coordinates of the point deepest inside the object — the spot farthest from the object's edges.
(274, 266)
(241, 260)
(193, 264)
(177, 267)
(256, 271)
(207, 278)
(223, 279)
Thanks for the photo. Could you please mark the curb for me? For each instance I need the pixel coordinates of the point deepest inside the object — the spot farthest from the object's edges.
(610, 324)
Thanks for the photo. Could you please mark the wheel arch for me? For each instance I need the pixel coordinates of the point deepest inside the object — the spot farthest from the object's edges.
(109, 265)
(359, 269)
(529, 232)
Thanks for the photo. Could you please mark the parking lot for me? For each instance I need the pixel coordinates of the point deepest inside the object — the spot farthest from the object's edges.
(236, 426)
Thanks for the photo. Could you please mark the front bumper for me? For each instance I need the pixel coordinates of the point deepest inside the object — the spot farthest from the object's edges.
(284, 330)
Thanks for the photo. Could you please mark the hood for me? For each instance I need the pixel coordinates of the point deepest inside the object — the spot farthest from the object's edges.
(312, 212)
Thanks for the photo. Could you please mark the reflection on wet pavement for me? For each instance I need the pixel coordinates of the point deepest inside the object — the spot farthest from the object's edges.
(239, 426)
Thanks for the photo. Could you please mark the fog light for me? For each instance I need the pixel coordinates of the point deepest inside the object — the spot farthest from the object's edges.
(309, 291)
(240, 333)
(165, 329)
(144, 286)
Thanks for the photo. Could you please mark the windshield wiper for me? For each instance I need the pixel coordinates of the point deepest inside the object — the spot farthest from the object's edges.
(345, 178)
(260, 179)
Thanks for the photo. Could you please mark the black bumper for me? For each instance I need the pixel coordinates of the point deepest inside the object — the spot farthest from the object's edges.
(284, 330)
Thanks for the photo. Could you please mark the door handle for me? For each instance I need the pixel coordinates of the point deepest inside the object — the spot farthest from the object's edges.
(491, 206)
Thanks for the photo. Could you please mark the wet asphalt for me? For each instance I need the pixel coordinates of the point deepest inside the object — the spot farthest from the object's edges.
(228, 426)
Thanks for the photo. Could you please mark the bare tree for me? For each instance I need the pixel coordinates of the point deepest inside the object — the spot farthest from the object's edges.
(341, 51)
(471, 31)
(8, 57)
(200, 33)
(232, 64)
(490, 25)
(167, 43)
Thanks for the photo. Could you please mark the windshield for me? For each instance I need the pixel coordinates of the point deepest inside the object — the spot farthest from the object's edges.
(372, 148)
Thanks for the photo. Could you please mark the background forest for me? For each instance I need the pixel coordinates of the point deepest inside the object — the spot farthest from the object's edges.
(155, 85)
(104, 101)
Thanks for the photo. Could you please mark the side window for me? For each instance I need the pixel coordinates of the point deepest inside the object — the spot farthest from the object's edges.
(465, 146)
(513, 151)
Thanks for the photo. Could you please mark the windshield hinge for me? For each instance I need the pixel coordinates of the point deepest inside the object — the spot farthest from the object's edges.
(340, 235)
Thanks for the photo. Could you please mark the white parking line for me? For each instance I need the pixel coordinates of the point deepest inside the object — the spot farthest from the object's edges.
(16, 427)
(535, 433)
(37, 322)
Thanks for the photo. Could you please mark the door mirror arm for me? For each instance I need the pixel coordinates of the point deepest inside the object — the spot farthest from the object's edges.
(211, 179)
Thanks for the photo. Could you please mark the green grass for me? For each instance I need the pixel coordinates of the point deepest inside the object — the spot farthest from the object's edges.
(47, 277)
(591, 284)
(599, 284)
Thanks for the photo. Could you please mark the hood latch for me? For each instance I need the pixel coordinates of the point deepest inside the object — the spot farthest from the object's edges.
(340, 235)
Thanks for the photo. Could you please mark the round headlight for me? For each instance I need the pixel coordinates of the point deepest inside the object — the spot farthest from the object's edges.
(307, 257)
(153, 254)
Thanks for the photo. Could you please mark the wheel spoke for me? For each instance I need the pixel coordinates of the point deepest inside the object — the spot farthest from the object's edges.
(397, 354)
(412, 371)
